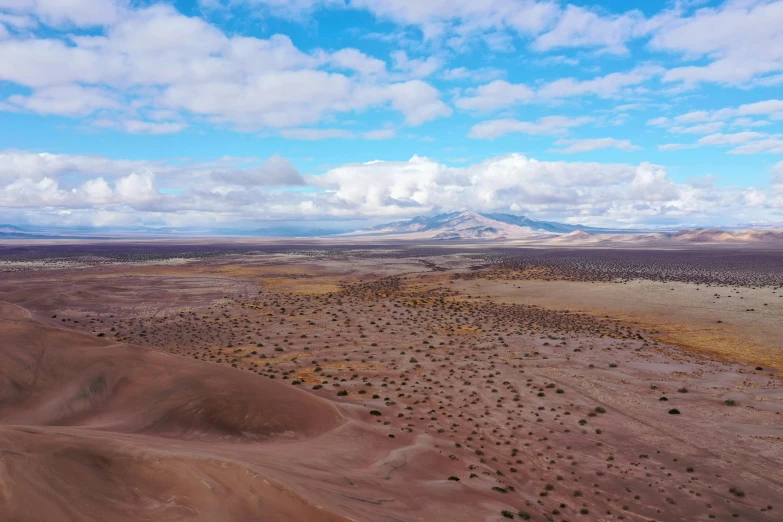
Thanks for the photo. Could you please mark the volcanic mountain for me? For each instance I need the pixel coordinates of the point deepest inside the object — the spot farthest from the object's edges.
(471, 225)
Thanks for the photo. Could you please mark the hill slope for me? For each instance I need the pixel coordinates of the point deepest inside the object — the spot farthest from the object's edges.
(469, 225)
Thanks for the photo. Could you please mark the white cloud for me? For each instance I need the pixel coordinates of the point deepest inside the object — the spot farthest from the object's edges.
(275, 171)
(480, 74)
(729, 139)
(437, 18)
(379, 134)
(748, 122)
(494, 95)
(587, 145)
(711, 122)
(324, 134)
(546, 125)
(742, 39)
(293, 9)
(355, 60)
(99, 190)
(762, 107)
(580, 27)
(66, 100)
(772, 145)
(704, 128)
(677, 146)
(415, 68)
(693, 117)
(136, 188)
(777, 173)
(157, 59)
(316, 134)
(96, 191)
(143, 127)
(500, 93)
(603, 86)
(419, 101)
(83, 13)
(595, 192)
(658, 122)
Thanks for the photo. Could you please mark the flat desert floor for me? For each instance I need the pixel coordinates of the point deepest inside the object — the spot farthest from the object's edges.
(247, 382)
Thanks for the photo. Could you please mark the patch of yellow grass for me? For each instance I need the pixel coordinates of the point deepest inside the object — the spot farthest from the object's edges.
(308, 376)
(721, 344)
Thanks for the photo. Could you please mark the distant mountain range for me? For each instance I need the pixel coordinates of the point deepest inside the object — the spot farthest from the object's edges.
(82, 232)
(14, 232)
(473, 225)
(454, 226)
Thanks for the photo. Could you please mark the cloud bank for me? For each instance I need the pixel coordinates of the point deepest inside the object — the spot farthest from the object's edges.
(96, 191)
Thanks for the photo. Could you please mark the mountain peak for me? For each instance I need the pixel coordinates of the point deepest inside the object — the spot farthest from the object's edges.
(469, 224)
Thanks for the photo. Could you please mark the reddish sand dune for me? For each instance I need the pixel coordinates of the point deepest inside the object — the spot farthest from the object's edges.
(58, 475)
(55, 377)
(67, 399)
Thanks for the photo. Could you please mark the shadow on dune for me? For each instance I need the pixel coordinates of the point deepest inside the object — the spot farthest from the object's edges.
(93, 430)
(51, 377)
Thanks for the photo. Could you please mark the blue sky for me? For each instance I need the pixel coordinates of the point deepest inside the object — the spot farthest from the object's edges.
(249, 112)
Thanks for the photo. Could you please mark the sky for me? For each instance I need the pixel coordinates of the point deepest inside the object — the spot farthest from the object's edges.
(343, 113)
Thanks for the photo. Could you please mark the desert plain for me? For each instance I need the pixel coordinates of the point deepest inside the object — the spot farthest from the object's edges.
(294, 381)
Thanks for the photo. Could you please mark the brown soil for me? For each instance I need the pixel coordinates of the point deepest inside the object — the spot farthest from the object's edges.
(365, 386)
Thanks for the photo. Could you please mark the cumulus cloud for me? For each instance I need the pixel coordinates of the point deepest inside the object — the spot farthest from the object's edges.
(703, 128)
(546, 125)
(587, 145)
(580, 27)
(742, 40)
(82, 13)
(712, 122)
(443, 18)
(415, 68)
(603, 86)
(136, 188)
(769, 108)
(594, 192)
(66, 100)
(147, 68)
(677, 146)
(353, 59)
(769, 145)
(729, 139)
(142, 127)
(324, 134)
(494, 95)
(155, 58)
(94, 189)
(500, 93)
(274, 171)
(777, 173)
(658, 122)
(480, 74)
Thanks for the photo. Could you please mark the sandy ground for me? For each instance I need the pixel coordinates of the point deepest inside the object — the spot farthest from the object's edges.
(377, 385)
(742, 322)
